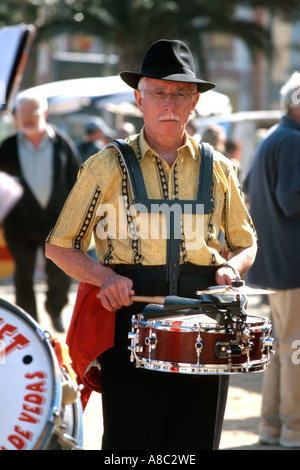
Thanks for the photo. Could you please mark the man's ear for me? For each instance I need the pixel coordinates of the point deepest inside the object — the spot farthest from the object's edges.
(139, 99)
(195, 101)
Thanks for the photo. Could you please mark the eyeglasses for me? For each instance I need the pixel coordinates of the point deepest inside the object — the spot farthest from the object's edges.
(159, 96)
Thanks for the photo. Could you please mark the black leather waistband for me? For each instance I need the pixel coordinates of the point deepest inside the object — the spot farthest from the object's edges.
(183, 268)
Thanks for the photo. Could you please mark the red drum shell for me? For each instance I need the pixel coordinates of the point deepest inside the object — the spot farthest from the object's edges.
(173, 343)
(178, 346)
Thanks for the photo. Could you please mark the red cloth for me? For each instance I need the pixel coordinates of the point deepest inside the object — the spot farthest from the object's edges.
(91, 332)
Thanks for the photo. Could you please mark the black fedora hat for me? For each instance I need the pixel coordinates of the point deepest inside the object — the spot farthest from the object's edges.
(168, 60)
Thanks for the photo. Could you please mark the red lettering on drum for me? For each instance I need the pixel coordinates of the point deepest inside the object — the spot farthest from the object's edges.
(28, 418)
(38, 375)
(37, 387)
(7, 329)
(34, 397)
(18, 342)
(17, 442)
(34, 400)
(33, 409)
(19, 439)
(26, 434)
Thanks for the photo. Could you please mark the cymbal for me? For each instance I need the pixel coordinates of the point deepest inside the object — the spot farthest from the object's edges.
(243, 290)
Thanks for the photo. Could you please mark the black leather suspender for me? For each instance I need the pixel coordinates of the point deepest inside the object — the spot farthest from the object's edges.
(204, 197)
(139, 189)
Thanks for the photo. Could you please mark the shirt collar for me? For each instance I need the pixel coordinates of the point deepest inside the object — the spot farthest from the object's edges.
(49, 134)
(187, 145)
(190, 145)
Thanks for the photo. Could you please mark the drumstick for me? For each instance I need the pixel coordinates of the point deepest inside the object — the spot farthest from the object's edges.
(148, 299)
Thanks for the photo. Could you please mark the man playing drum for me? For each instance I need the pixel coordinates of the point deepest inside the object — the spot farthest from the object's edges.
(149, 409)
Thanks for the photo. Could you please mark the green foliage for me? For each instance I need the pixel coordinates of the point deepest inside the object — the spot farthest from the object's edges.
(132, 25)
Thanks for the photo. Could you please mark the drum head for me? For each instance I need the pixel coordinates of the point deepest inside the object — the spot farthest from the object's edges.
(30, 382)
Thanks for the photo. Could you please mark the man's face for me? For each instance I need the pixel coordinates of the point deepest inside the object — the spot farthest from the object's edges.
(30, 119)
(166, 106)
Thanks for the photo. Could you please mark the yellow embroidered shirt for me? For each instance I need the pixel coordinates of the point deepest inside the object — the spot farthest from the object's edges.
(101, 204)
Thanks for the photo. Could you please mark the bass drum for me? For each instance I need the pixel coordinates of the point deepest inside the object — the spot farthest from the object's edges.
(35, 413)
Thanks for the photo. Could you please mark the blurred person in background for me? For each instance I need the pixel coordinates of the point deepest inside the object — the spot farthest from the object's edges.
(233, 152)
(273, 188)
(93, 139)
(215, 136)
(96, 135)
(191, 129)
(125, 129)
(45, 162)
(108, 134)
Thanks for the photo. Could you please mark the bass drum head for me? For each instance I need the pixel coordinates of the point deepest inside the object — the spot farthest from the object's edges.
(30, 392)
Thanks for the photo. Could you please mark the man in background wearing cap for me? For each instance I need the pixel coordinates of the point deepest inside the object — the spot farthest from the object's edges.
(273, 187)
(96, 135)
(147, 409)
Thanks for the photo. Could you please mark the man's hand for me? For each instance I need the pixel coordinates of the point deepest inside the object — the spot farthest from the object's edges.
(239, 262)
(225, 275)
(116, 292)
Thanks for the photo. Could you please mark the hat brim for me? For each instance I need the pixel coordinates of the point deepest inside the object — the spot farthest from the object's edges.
(132, 79)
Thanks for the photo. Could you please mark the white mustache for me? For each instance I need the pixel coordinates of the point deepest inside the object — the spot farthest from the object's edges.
(168, 117)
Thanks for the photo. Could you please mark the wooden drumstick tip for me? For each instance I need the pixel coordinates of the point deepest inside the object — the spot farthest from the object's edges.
(145, 299)
(148, 299)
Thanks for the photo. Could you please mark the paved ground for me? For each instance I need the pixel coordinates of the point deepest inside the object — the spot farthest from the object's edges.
(244, 401)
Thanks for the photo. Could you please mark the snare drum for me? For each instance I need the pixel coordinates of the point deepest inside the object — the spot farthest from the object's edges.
(33, 415)
(198, 345)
